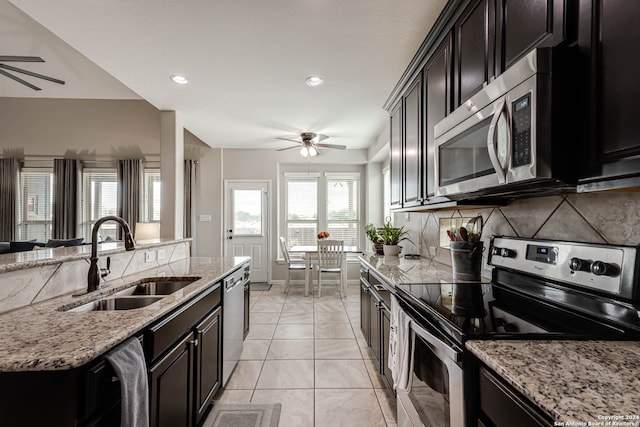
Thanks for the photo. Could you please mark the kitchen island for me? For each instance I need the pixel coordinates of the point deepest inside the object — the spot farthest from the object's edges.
(575, 382)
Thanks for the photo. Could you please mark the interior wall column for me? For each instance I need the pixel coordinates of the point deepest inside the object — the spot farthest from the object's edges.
(171, 175)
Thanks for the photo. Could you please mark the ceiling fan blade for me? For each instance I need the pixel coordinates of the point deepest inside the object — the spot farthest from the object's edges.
(6, 58)
(292, 140)
(31, 73)
(321, 137)
(19, 80)
(334, 146)
(288, 148)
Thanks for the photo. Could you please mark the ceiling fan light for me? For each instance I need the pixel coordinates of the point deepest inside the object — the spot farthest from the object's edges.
(312, 151)
(314, 81)
(181, 80)
(304, 152)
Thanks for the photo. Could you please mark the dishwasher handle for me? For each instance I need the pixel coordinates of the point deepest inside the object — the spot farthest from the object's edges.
(229, 284)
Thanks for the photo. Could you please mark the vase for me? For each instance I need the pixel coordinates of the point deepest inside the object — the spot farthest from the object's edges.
(391, 250)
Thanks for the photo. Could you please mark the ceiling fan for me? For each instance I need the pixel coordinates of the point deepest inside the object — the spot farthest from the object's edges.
(310, 141)
(4, 67)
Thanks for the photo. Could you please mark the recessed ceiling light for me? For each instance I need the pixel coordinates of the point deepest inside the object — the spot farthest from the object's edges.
(314, 81)
(181, 80)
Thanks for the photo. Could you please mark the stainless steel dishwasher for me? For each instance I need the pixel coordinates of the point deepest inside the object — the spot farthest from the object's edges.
(233, 320)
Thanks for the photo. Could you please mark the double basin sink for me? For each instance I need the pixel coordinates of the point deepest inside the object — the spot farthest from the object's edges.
(139, 294)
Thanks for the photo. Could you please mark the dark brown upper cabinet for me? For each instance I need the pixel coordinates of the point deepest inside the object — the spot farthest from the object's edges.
(474, 53)
(608, 39)
(412, 144)
(395, 164)
(437, 102)
(524, 25)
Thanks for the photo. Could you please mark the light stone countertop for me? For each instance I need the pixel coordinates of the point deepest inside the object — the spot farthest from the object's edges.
(576, 382)
(40, 337)
(396, 270)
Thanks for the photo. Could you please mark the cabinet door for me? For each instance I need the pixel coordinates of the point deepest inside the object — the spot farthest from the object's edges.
(396, 156)
(412, 144)
(365, 315)
(376, 340)
(386, 329)
(473, 57)
(208, 362)
(437, 84)
(523, 26)
(171, 383)
(247, 302)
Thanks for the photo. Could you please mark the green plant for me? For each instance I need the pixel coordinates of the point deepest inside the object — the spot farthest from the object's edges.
(393, 235)
(372, 234)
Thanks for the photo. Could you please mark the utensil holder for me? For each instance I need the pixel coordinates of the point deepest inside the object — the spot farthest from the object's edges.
(466, 260)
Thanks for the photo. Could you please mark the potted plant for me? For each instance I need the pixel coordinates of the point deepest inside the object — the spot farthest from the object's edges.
(391, 236)
(374, 236)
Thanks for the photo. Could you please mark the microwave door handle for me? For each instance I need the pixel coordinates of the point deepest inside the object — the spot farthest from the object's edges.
(491, 142)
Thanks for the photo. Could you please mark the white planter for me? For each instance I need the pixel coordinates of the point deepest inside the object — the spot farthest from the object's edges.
(391, 250)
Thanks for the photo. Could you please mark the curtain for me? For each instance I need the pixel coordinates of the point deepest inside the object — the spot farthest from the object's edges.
(130, 173)
(189, 199)
(8, 193)
(65, 198)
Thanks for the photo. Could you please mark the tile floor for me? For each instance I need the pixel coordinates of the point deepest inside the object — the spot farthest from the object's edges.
(308, 354)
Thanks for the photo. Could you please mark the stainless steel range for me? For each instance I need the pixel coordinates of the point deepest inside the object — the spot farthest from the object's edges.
(540, 289)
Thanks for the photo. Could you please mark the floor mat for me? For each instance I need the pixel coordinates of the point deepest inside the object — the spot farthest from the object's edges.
(243, 415)
(260, 286)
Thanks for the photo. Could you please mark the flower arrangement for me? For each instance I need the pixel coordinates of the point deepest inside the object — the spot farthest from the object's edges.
(323, 235)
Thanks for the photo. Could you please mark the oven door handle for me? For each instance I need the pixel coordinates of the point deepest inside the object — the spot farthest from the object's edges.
(438, 344)
(491, 142)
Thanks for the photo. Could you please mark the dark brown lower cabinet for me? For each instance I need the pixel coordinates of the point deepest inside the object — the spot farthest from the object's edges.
(247, 301)
(501, 405)
(376, 333)
(208, 335)
(386, 329)
(365, 319)
(171, 386)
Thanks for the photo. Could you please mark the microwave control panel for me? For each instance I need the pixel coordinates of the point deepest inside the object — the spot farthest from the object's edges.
(521, 131)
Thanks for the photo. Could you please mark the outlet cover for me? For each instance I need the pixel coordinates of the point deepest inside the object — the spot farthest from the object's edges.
(150, 256)
(162, 254)
(205, 218)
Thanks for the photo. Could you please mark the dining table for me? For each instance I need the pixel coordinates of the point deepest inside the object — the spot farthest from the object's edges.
(311, 253)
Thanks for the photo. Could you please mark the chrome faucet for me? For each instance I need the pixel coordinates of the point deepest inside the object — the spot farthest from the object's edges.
(93, 278)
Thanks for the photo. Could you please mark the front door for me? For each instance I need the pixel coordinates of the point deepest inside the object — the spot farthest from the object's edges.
(247, 224)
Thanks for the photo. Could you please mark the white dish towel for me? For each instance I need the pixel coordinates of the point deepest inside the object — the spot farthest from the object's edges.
(401, 342)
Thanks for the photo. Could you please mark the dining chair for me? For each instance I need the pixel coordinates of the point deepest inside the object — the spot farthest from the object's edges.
(330, 259)
(296, 264)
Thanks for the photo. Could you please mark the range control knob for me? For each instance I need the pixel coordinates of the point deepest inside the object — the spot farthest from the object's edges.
(600, 268)
(495, 250)
(507, 253)
(577, 264)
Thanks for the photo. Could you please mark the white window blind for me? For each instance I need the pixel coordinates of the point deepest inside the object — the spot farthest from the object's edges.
(343, 208)
(301, 210)
(151, 196)
(386, 196)
(35, 202)
(99, 198)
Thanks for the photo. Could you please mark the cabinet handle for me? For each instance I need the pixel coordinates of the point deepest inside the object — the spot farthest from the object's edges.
(194, 342)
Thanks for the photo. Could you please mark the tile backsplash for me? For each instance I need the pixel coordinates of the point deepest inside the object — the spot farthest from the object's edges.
(593, 217)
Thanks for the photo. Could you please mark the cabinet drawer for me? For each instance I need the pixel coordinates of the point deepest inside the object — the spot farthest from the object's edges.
(506, 407)
(103, 388)
(159, 337)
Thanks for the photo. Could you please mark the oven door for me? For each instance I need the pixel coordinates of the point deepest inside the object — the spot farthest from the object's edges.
(436, 395)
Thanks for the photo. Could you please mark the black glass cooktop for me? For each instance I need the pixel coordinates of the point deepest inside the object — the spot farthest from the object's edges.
(469, 310)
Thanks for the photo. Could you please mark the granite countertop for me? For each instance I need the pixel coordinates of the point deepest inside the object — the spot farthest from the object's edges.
(41, 337)
(576, 382)
(396, 270)
(46, 256)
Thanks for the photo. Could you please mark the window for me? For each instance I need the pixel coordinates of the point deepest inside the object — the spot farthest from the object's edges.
(99, 198)
(35, 201)
(151, 196)
(329, 202)
(301, 210)
(343, 208)
(386, 197)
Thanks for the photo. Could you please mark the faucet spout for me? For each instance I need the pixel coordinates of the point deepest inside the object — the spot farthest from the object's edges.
(93, 278)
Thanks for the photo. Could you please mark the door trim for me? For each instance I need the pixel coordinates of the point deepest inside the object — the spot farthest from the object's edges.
(269, 221)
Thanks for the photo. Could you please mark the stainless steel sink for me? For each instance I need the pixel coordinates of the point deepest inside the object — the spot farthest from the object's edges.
(122, 302)
(161, 285)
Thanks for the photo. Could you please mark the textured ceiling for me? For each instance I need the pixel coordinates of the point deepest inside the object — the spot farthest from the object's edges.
(247, 60)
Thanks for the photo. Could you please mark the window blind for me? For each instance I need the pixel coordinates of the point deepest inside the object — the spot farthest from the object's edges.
(302, 210)
(99, 198)
(35, 203)
(343, 209)
(151, 196)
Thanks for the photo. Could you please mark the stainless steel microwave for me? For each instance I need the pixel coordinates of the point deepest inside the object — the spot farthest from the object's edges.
(511, 137)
